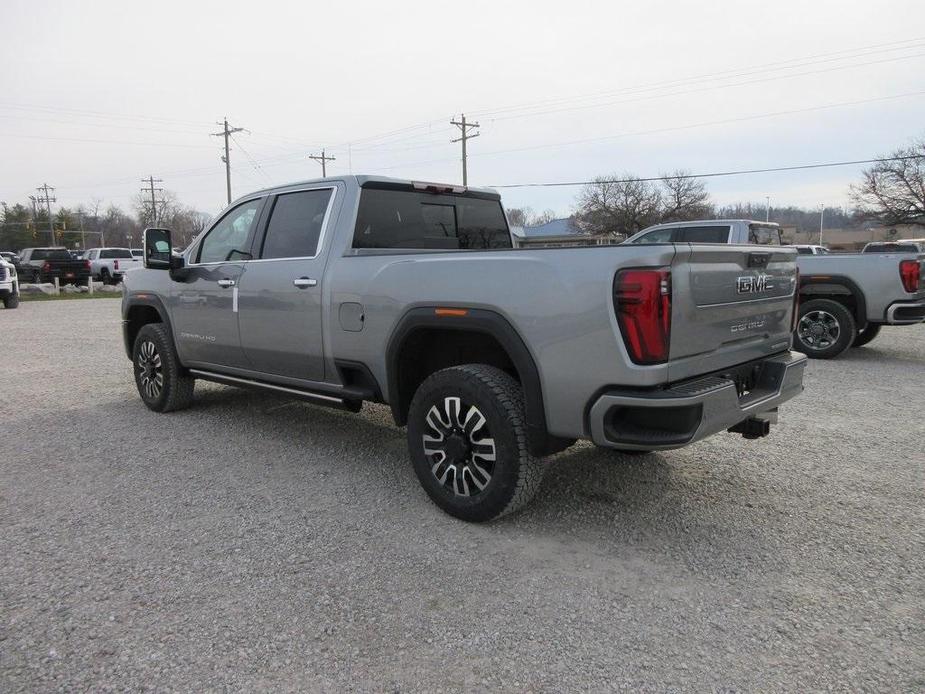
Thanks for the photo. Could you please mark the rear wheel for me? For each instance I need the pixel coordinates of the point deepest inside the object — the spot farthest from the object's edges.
(825, 329)
(158, 375)
(104, 276)
(467, 437)
(866, 335)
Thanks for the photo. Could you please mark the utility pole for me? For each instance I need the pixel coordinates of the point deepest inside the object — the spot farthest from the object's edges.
(80, 222)
(464, 128)
(821, 218)
(767, 212)
(47, 198)
(150, 180)
(227, 131)
(323, 159)
(35, 215)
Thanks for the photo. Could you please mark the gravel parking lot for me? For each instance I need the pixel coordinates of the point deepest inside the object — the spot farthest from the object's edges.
(256, 543)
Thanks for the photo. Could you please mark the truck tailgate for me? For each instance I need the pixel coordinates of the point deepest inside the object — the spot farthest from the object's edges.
(730, 304)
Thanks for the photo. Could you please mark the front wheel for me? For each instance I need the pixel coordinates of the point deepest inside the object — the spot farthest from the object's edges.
(11, 301)
(158, 374)
(467, 436)
(866, 335)
(825, 329)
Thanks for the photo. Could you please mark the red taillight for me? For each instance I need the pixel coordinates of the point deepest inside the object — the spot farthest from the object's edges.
(115, 264)
(909, 271)
(46, 267)
(796, 301)
(87, 264)
(642, 299)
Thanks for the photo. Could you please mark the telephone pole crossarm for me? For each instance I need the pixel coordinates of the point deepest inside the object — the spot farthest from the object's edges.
(324, 159)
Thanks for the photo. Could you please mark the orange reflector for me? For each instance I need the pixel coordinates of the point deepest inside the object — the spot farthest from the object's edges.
(451, 311)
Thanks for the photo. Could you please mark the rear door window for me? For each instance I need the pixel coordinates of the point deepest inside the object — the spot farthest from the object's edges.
(409, 219)
(119, 253)
(704, 234)
(295, 224)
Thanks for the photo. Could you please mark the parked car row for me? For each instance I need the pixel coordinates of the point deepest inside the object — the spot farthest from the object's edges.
(845, 298)
(107, 265)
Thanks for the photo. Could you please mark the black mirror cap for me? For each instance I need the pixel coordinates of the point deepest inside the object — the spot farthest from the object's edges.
(158, 249)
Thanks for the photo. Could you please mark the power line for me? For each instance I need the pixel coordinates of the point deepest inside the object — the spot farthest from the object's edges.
(323, 159)
(715, 174)
(464, 128)
(226, 132)
(725, 74)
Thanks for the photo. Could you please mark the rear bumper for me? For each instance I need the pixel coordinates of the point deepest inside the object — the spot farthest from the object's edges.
(692, 410)
(905, 313)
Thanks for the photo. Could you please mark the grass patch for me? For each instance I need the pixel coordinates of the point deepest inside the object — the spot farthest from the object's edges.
(63, 297)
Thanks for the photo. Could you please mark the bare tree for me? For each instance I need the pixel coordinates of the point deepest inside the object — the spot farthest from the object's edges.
(684, 198)
(893, 192)
(618, 205)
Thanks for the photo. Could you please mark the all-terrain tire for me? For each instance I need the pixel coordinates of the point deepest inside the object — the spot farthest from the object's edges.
(161, 381)
(460, 409)
(866, 335)
(12, 301)
(825, 329)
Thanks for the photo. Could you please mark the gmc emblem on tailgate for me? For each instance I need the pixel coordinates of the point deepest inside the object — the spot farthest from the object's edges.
(753, 284)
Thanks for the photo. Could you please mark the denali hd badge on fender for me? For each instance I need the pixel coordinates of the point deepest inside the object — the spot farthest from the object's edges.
(753, 284)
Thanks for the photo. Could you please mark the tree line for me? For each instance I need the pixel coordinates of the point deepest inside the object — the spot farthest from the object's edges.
(23, 226)
(890, 192)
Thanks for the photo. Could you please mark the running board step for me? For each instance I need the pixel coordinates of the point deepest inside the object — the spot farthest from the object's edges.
(353, 402)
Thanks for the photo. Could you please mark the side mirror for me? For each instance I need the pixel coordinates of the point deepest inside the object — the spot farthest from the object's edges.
(157, 249)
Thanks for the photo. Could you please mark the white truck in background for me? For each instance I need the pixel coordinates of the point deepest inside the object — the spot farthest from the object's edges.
(108, 265)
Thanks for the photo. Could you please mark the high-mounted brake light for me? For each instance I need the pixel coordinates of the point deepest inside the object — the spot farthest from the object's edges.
(909, 271)
(642, 300)
(437, 187)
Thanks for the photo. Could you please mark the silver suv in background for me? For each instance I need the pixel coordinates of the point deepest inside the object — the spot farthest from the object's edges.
(361, 288)
(711, 231)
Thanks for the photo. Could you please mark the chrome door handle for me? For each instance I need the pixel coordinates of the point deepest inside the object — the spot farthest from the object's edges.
(226, 283)
(303, 282)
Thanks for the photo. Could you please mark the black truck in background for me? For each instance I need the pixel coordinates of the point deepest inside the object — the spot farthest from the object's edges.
(39, 265)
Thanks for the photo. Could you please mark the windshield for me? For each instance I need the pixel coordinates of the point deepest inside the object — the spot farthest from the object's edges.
(764, 234)
(51, 254)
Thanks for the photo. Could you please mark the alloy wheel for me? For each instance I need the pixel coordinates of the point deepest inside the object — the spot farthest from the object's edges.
(459, 447)
(818, 330)
(150, 370)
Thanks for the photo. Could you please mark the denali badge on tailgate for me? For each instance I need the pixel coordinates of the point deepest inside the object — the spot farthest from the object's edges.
(753, 284)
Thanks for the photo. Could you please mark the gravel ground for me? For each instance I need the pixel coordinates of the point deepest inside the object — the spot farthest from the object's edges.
(255, 543)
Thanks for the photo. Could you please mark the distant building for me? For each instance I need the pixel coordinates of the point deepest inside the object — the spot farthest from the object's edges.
(558, 233)
(852, 240)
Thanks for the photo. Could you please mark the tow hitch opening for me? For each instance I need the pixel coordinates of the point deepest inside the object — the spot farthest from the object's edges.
(752, 428)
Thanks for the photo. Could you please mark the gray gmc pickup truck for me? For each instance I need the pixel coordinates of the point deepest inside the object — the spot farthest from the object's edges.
(353, 289)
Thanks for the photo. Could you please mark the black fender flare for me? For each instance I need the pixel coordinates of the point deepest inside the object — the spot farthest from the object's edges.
(142, 299)
(854, 290)
(483, 321)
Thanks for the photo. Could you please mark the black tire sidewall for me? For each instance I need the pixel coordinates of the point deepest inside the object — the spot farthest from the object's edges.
(867, 335)
(847, 328)
(495, 498)
(153, 332)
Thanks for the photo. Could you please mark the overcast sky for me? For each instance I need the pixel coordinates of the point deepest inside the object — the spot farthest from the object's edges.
(96, 95)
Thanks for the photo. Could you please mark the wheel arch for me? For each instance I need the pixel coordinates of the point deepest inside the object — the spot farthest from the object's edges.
(838, 288)
(481, 334)
(140, 310)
